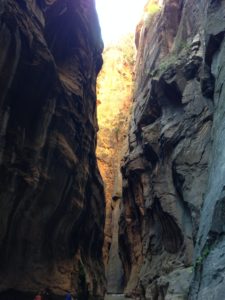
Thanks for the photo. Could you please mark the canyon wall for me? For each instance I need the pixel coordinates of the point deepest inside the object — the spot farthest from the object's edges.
(51, 193)
(171, 231)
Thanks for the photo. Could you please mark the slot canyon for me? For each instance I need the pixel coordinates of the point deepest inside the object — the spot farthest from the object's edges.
(112, 157)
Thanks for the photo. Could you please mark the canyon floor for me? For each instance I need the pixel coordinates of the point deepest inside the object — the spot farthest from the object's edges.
(116, 297)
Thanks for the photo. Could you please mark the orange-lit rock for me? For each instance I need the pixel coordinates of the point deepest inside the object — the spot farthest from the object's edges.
(115, 85)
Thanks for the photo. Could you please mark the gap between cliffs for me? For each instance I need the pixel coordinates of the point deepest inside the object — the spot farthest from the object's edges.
(114, 104)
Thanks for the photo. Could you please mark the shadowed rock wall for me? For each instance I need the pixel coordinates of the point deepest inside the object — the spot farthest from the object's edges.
(51, 193)
(209, 275)
(173, 169)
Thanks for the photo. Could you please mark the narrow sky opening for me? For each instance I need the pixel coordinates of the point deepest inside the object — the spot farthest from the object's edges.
(118, 17)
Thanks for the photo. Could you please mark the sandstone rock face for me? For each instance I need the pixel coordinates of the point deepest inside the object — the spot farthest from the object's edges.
(51, 192)
(174, 161)
(113, 115)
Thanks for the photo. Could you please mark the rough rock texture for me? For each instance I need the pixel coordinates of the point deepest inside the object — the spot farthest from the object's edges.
(209, 279)
(176, 128)
(51, 192)
(113, 115)
(115, 276)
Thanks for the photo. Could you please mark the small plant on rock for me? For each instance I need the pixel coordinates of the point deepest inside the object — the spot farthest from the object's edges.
(151, 10)
(201, 258)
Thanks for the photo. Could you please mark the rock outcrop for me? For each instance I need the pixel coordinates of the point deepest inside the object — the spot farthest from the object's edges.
(51, 192)
(173, 170)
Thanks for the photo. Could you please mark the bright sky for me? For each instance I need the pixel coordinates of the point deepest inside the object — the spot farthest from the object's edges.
(118, 17)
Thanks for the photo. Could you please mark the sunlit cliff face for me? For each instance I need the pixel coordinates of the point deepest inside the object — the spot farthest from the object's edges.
(114, 99)
(114, 93)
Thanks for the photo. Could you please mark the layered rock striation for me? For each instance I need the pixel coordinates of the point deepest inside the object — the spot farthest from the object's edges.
(51, 192)
(173, 168)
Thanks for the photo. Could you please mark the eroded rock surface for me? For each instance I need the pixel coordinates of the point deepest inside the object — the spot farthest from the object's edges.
(209, 277)
(115, 276)
(174, 161)
(113, 115)
(51, 192)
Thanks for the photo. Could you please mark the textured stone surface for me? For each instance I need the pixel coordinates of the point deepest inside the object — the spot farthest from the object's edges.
(172, 286)
(165, 170)
(51, 193)
(115, 276)
(209, 280)
(113, 115)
